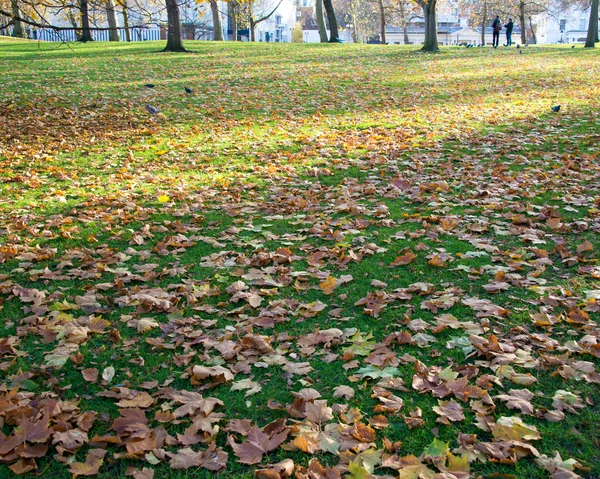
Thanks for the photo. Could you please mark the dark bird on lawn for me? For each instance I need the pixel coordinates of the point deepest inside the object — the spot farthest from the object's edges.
(555, 108)
(149, 85)
(520, 52)
(150, 109)
(573, 46)
(188, 90)
(116, 59)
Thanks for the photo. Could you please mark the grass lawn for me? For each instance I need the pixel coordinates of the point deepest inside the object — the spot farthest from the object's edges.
(366, 260)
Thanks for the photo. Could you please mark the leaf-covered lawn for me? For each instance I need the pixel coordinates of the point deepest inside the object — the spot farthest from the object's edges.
(326, 261)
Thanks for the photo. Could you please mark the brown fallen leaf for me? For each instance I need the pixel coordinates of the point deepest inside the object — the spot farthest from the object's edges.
(90, 375)
(258, 443)
(91, 466)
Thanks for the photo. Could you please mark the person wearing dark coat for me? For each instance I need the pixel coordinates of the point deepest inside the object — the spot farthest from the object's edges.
(509, 29)
(496, 27)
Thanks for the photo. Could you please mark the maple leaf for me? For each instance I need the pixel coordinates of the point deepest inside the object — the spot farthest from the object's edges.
(193, 402)
(518, 399)
(514, 429)
(404, 259)
(217, 374)
(257, 444)
(374, 372)
(252, 387)
(328, 285)
(281, 470)
(318, 412)
(449, 411)
(437, 448)
(343, 392)
(91, 466)
(361, 345)
(90, 375)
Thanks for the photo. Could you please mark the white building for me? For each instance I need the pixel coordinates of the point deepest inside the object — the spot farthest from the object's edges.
(568, 26)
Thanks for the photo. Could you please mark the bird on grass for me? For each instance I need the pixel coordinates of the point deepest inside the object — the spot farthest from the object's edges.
(573, 46)
(189, 91)
(520, 52)
(149, 85)
(152, 110)
(555, 108)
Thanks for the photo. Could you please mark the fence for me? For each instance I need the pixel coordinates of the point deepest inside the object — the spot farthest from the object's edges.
(138, 34)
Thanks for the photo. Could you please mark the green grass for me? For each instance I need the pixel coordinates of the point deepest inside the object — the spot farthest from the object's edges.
(283, 150)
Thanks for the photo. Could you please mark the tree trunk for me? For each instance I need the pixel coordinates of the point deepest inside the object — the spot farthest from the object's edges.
(592, 33)
(252, 28)
(174, 43)
(382, 20)
(86, 33)
(321, 21)
(111, 16)
(405, 32)
(533, 35)
(125, 12)
(233, 12)
(216, 16)
(75, 26)
(333, 27)
(483, 22)
(522, 22)
(431, 41)
(18, 30)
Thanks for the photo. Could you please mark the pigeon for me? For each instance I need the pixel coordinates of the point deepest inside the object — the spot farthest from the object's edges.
(188, 90)
(573, 46)
(152, 110)
(149, 85)
(520, 52)
(555, 108)
(116, 59)
(518, 46)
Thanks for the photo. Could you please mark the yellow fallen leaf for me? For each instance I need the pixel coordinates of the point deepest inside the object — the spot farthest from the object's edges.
(328, 285)
(163, 198)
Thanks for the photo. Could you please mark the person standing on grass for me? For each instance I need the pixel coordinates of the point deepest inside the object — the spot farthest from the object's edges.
(509, 29)
(496, 27)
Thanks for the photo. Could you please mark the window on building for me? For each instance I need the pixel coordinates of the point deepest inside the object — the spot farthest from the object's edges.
(582, 24)
(563, 25)
(278, 20)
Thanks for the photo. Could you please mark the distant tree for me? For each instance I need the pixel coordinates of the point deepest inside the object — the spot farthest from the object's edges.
(257, 11)
(297, 33)
(480, 12)
(404, 12)
(362, 16)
